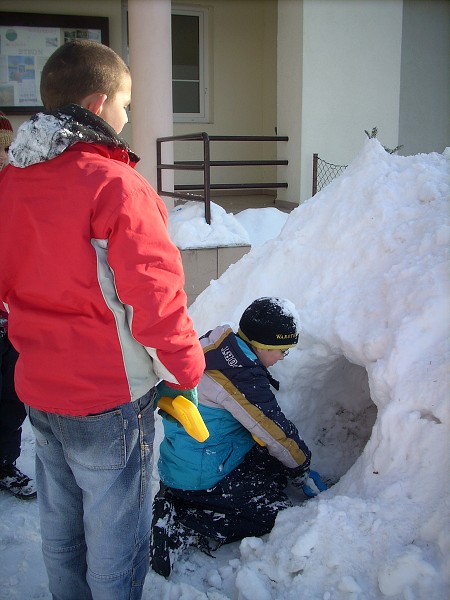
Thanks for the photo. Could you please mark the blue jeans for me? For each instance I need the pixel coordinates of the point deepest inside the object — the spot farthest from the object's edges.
(93, 478)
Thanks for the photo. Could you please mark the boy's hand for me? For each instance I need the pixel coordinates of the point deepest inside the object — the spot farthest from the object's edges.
(180, 406)
(162, 389)
(186, 414)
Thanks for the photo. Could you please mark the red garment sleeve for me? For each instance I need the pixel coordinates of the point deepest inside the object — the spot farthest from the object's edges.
(149, 280)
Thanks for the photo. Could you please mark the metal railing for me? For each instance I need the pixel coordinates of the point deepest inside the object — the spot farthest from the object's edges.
(323, 173)
(205, 165)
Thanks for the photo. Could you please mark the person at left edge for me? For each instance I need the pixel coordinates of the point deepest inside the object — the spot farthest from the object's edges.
(97, 311)
(12, 411)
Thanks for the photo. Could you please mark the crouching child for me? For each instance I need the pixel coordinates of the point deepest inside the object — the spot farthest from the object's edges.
(232, 485)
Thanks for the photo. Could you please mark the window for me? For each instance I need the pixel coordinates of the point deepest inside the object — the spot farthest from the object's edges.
(189, 61)
(190, 64)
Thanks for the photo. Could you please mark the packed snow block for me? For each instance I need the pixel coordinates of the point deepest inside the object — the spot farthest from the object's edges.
(202, 265)
(229, 255)
(207, 250)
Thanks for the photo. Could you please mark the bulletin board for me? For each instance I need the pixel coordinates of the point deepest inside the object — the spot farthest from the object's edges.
(26, 42)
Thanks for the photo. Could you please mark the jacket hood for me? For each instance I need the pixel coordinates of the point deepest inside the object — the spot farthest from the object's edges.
(47, 134)
(222, 350)
(225, 350)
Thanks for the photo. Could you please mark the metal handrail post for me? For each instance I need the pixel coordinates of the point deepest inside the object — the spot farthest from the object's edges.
(207, 163)
(158, 170)
(314, 177)
(207, 177)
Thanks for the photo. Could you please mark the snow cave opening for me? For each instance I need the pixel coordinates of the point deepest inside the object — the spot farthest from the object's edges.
(336, 414)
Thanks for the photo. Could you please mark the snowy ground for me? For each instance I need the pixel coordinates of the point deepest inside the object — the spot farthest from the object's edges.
(366, 264)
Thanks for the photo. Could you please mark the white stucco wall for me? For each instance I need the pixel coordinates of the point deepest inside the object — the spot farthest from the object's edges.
(351, 78)
(289, 94)
(425, 77)
(151, 68)
(341, 67)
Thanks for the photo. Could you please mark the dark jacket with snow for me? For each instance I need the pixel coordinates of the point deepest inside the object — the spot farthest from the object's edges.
(3, 322)
(92, 282)
(236, 401)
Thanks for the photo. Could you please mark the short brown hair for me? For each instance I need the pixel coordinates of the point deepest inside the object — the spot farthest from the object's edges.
(80, 68)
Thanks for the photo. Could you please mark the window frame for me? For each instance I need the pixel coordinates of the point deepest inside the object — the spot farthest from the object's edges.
(202, 14)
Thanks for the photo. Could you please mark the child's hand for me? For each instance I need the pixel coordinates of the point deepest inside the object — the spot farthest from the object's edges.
(300, 480)
(186, 414)
(313, 484)
(162, 389)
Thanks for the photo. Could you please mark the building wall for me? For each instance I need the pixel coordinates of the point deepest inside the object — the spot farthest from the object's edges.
(289, 94)
(425, 77)
(320, 71)
(242, 86)
(351, 79)
(242, 77)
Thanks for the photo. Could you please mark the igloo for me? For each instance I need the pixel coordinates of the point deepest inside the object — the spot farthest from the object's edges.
(365, 261)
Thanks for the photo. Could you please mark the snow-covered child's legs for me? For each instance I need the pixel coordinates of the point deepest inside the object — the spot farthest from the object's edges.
(244, 503)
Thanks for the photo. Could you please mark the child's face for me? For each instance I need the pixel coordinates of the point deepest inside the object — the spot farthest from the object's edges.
(3, 156)
(114, 111)
(269, 357)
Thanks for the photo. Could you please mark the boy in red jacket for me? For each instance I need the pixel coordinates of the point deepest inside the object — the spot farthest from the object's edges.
(97, 311)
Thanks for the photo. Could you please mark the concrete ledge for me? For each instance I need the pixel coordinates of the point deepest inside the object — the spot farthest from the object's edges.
(201, 265)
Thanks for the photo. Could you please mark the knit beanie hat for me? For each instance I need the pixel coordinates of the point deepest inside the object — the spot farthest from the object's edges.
(6, 131)
(270, 323)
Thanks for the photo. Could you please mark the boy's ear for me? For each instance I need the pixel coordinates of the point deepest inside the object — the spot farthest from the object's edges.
(94, 102)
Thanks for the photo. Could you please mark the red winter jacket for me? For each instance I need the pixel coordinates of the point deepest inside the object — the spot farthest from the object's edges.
(92, 282)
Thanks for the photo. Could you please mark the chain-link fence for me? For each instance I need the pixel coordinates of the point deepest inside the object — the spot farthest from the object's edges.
(323, 173)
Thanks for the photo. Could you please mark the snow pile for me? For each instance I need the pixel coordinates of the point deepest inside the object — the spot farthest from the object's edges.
(262, 224)
(188, 228)
(366, 264)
